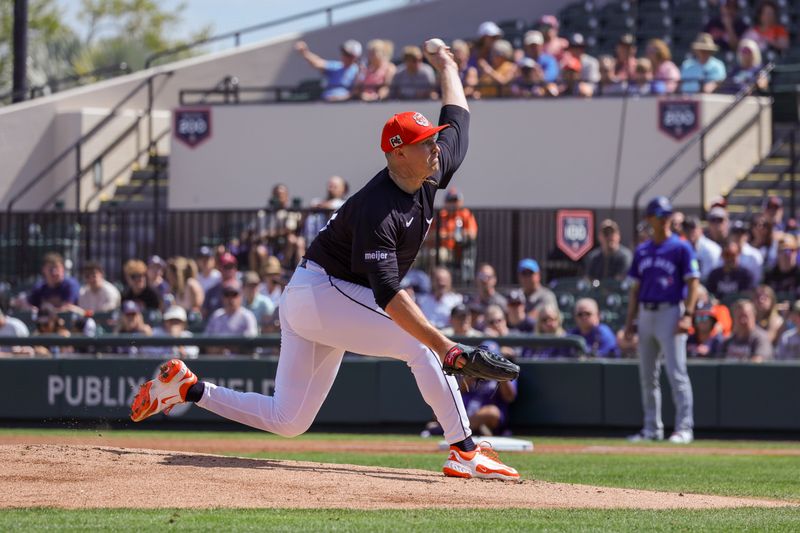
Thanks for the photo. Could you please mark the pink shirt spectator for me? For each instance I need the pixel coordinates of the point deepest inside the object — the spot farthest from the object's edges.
(667, 75)
(372, 80)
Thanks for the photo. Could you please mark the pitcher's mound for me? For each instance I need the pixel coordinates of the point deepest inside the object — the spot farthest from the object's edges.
(95, 476)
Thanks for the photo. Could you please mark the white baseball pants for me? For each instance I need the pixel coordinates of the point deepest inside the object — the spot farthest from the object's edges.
(321, 318)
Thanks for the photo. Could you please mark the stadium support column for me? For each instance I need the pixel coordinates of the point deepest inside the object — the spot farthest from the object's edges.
(20, 82)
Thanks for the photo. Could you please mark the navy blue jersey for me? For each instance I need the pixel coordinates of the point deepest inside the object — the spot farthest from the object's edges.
(662, 270)
(373, 239)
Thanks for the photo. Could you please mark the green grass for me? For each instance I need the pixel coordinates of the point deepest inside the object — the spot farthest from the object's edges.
(723, 520)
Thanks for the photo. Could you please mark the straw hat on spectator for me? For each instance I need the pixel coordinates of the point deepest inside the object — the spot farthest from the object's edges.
(704, 43)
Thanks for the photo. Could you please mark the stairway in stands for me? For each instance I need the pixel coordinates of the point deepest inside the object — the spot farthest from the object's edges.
(139, 193)
(771, 177)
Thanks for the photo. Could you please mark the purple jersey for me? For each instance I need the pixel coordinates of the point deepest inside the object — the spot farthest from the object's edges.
(662, 270)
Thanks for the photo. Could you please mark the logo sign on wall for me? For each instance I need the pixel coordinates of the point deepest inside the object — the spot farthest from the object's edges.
(574, 232)
(192, 126)
(678, 118)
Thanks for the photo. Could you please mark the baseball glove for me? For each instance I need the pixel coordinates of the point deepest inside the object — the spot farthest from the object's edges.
(480, 363)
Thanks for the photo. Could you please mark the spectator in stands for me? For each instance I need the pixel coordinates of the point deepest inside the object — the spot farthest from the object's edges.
(261, 306)
(13, 327)
(553, 44)
(789, 343)
(187, 292)
(468, 73)
(460, 323)
(516, 317)
(98, 295)
(609, 85)
(625, 58)
(138, 290)
(375, 78)
(599, 338)
(707, 251)
(536, 294)
(747, 342)
(718, 225)
(730, 278)
(768, 317)
(666, 74)
(486, 281)
(706, 339)
(727, 27)
(590, 67)
(498, 72)
(49, 323)
(642, 82)
(773, 210)
(529, 82)
(56, 290)
(437, 305)
(272, 282)
(315, 221)
(767, 32)
(610, 260)
(533, 42)
(280, 227)
(749, 257)
(784, 277)
(414, 79)
(488, 33)
(703, 72)
(764, 239)
(571, 84)
(207, 274)
(458, 231)
(174, 325)
(131, 322)
(339, 76)
(231, 320)
(748, 66)
(721, 311)
(337, 190)
(155, 276)
(487, 401)
(549, 323)
(214, 297)
(496, 324)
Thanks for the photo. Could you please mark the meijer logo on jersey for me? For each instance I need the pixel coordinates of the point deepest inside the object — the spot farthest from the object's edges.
(377, 255)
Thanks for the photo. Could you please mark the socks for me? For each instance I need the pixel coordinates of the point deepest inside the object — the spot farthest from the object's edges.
(466, 445)
(195, 392)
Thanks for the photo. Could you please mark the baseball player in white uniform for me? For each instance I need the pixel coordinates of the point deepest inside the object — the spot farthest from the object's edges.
(345, 296)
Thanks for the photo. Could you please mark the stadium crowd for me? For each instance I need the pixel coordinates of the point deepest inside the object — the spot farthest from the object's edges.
(547, 64)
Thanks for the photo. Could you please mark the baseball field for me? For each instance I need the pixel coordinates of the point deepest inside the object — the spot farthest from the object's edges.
(233, 481)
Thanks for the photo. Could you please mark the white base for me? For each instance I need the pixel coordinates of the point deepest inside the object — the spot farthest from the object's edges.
(500, 444)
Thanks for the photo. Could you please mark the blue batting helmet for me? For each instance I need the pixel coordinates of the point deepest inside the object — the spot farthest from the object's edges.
(659, 206)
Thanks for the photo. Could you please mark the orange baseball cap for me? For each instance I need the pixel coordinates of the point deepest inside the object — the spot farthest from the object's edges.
(407, 128)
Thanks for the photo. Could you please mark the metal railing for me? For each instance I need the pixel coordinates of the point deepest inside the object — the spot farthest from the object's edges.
(700, 138)
(67, 82)
(236, 35)
(77, 147)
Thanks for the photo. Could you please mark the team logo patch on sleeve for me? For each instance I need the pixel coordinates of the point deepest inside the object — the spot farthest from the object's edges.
(695, 265)
(375, 256)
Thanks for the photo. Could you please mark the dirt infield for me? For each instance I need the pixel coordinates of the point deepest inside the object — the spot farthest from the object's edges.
(259, 445)
(84, 476)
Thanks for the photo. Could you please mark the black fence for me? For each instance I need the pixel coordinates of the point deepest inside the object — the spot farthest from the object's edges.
(111, 237)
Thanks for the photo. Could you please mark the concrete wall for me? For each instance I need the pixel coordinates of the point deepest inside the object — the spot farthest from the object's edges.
(539, 153)
(28, 142)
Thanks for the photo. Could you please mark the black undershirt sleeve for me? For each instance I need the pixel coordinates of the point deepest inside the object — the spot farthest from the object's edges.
(453, 142)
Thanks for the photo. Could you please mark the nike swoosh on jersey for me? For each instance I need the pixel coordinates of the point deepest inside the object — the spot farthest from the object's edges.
(429, 220)
(410, 220)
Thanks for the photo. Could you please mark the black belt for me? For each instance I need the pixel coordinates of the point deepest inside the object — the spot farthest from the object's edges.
(654, 306)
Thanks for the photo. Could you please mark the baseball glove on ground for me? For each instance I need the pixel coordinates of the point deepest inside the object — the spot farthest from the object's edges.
(480, 363)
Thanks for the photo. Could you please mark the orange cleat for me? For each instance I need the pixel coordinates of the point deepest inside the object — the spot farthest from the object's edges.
(482, 463)
(164, 392)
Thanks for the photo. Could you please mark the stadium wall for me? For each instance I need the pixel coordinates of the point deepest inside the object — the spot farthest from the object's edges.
(551, 393)
(29, 139)
(533, 153)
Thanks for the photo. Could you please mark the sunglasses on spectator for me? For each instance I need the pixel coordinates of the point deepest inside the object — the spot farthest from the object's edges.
(495, 320)
(547, 319)
(584, 313)
(229, 265)
(526, 272)
(137, 276)
(230, 294)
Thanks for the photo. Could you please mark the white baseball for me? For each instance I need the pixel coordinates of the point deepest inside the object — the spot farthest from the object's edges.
(432, 46)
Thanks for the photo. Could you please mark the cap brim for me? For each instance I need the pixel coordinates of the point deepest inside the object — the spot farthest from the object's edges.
(428, 133)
